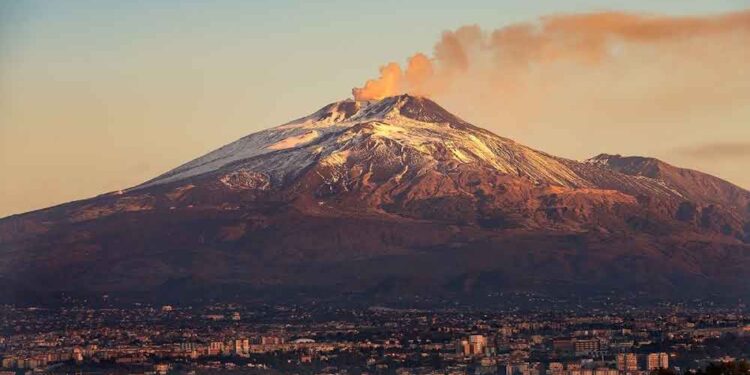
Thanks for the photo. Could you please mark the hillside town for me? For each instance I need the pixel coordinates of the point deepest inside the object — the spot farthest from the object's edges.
(315, 339)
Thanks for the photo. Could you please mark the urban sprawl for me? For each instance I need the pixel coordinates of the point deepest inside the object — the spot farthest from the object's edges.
(227, 338)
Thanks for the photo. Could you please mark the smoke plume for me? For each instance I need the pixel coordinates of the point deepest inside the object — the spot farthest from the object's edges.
(506, 58)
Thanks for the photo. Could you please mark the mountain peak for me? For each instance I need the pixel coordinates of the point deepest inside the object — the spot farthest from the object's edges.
(687, 183)
(396, 126)
(408, 137)
(409, 106)
(632, 165)
(413, 107)
(393, 189)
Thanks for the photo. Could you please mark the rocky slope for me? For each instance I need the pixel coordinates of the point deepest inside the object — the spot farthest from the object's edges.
(384, 200)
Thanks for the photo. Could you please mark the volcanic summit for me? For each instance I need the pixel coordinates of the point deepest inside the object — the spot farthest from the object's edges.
(387, 200)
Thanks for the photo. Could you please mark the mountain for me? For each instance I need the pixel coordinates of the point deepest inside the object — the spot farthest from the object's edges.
(383, 201)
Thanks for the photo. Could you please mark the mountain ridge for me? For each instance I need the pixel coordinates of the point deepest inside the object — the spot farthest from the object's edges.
(387, 188)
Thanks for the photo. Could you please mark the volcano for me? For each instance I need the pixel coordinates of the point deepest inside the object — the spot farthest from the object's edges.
(389, 200)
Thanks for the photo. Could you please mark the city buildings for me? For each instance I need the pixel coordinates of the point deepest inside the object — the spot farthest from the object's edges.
(657, 360)
(474, 345)
(325, 339)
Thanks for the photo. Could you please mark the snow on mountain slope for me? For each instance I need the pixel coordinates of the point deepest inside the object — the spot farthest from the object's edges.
(409, 122)
(293, 134)
(687, 183)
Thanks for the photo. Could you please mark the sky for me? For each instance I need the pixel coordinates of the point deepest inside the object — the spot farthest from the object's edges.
(97, 96)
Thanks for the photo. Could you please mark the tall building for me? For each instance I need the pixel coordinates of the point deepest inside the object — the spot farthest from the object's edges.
(657, 360)
(242, 346)
(215, 348)
(474, 345)
(477, 344)
(627, 362)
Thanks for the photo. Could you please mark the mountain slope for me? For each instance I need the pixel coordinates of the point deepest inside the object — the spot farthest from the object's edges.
(416, 124)
(385, 199)
(692, 185)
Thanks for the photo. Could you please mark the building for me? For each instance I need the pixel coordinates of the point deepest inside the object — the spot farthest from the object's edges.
(563, 347)
(188, 346)
(575, 347)
(477, 343)
(605, 371)
(271, 340)
(10, 362)
(524, 368)
(242, 347)
(474, 345)
(585, 347)
(78, 355)
(215, 348)
(627, 362)
(656, 361)
(556, 368)
(161, 368)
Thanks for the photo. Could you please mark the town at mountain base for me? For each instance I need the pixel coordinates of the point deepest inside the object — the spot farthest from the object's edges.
(394, 200)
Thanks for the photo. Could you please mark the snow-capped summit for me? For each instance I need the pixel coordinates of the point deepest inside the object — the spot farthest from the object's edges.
(405, 144)
(402, 124)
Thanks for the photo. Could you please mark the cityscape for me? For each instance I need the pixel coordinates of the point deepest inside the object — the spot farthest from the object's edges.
(232, 339)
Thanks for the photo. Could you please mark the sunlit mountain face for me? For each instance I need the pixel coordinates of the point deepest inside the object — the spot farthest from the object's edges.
(389, 199)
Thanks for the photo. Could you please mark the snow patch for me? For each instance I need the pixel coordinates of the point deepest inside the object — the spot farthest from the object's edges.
(336, 159)
(294, 141)
(338, 132)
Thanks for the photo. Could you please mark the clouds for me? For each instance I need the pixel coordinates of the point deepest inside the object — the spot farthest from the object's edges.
(718, 151)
